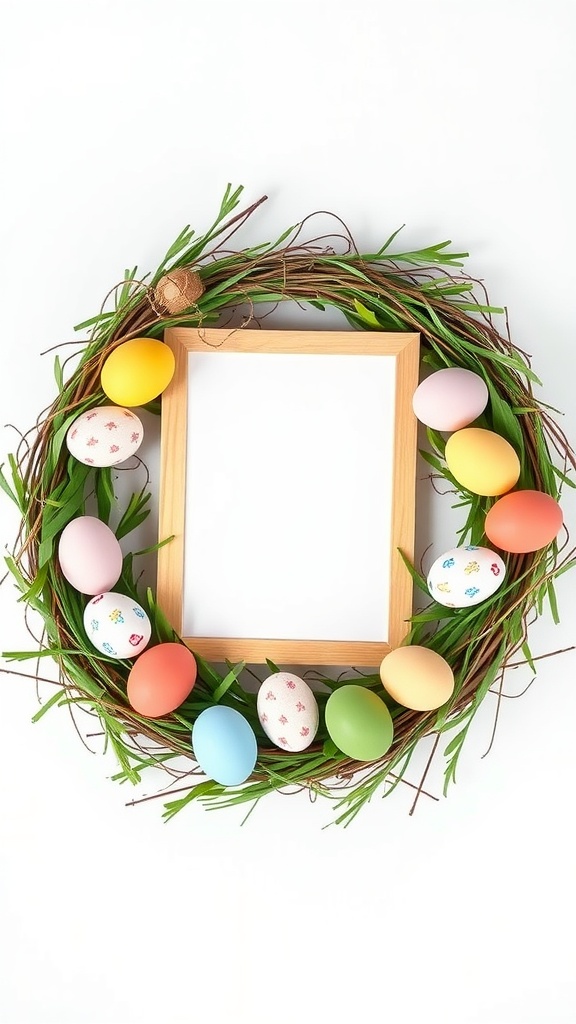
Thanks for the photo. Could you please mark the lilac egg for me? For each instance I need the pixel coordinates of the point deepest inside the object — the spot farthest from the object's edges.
(90, 555)
(450, 399)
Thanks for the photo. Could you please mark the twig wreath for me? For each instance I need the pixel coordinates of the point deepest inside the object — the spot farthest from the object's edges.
(198, 283)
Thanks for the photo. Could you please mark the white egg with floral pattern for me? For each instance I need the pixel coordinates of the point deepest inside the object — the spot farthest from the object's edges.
(104, 436)
(288, 711)
(465, 576)
(117, 625)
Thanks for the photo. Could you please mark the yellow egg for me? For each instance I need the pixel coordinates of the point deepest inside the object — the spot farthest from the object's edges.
(482, 461)
(417, 678)
(137, 371)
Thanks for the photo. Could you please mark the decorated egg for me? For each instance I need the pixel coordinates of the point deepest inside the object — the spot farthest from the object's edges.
(161, 679)
(224, 745)
(450, 399)
(465, 576)
(482, 462)
(104, 436)
(358, 722)
(523, 521)
(116, 625)
(90, 556)
(288, 711)
(137, 371)
(417, 678)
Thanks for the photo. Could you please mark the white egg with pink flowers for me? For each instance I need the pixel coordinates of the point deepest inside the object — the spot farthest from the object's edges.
(104, 436)
(288, 711)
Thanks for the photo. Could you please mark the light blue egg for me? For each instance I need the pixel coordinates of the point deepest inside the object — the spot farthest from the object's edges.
(224, 745)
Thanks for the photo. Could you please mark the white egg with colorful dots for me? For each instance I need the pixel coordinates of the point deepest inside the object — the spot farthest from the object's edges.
(117, 625)
(288, 711)
(466, 576)
(104, 436)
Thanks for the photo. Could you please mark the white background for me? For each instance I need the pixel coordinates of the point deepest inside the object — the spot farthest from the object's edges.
(122, 122)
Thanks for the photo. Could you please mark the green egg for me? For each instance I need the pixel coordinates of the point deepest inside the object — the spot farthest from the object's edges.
(359, 723)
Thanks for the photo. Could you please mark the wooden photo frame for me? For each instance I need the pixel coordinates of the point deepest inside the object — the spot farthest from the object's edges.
(288, 462)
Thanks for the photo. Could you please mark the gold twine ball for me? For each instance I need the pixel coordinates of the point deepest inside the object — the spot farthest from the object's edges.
(178, 290)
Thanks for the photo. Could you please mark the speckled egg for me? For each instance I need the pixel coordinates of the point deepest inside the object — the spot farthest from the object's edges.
(288, 711)
(104, 436)
(116, 625)
(465, 576)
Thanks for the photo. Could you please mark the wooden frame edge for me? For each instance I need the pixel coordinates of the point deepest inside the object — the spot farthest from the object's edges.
(405, 347)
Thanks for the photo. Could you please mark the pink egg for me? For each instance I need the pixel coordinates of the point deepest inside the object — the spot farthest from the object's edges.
(450, 399)
(90, 555)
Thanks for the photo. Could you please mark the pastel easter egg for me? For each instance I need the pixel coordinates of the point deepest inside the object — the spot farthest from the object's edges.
(523, 521)
(104, 436)
(465, 576)
(288, 711)
(116, 625)
(224, 745)
(481, 461)
(161, 679)
(417, 678)
(90, 556)
(358, 722)
(137, 371)
(450, 399)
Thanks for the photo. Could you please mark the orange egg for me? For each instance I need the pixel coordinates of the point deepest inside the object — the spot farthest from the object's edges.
(417, 678)
(161, 679)
(523, 521)
(482, 461)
